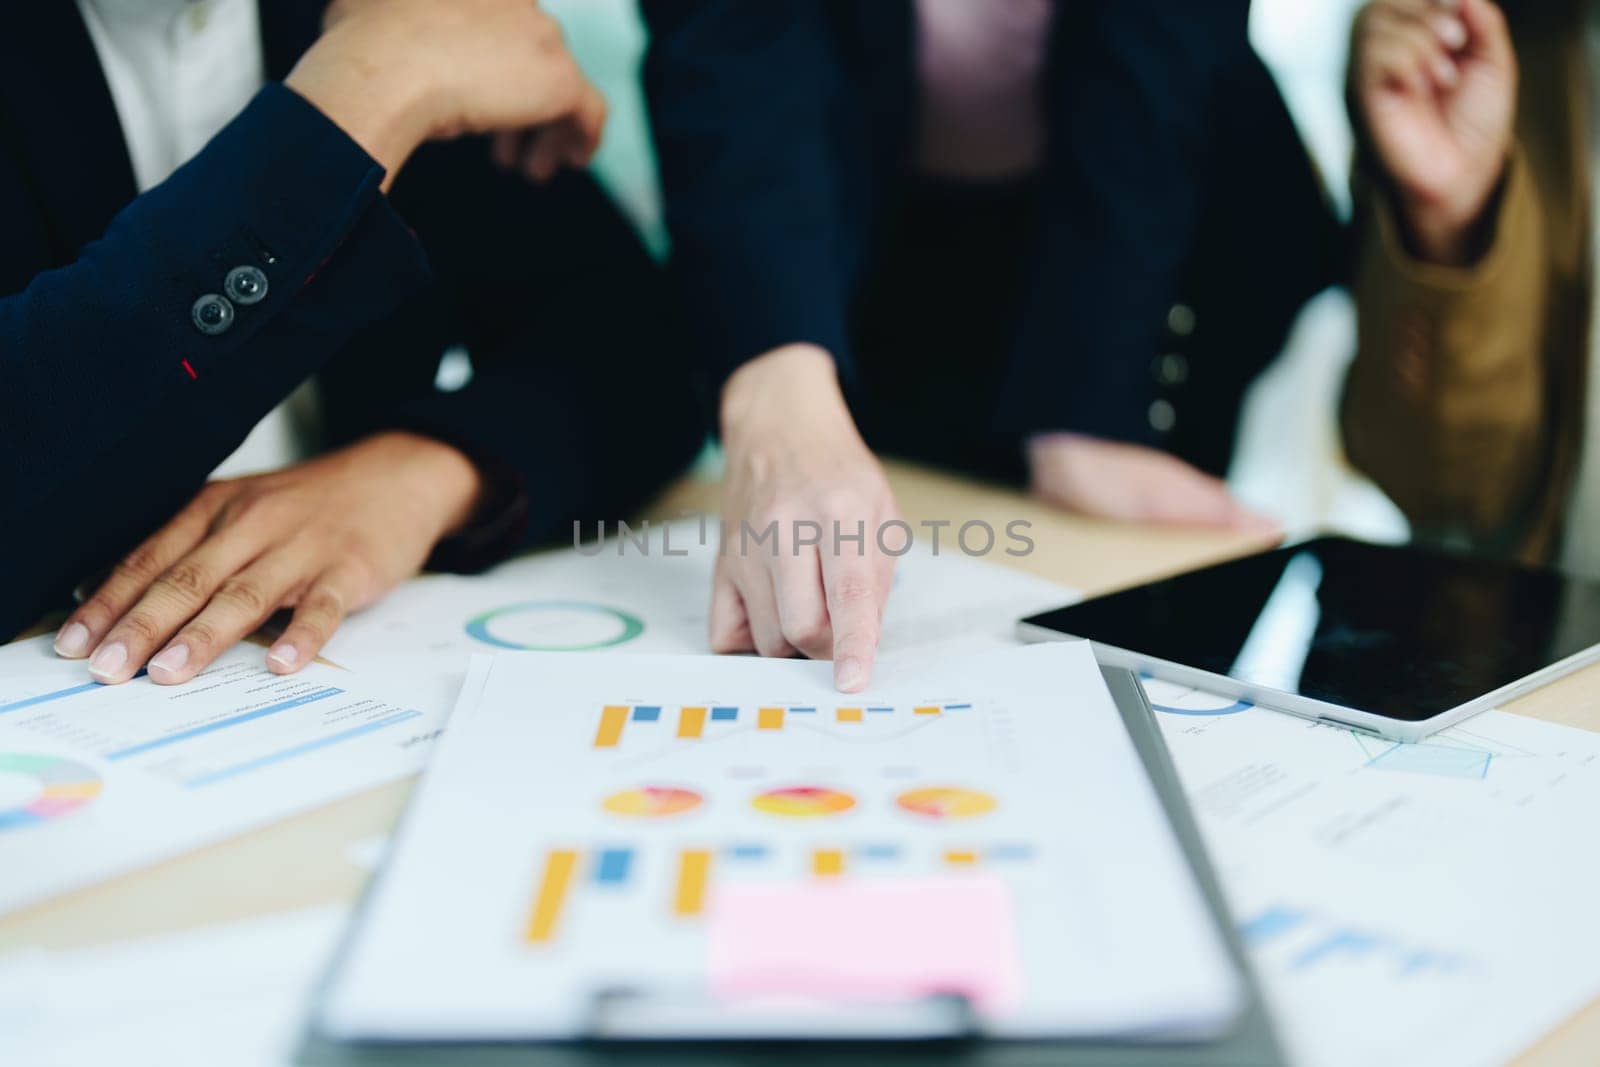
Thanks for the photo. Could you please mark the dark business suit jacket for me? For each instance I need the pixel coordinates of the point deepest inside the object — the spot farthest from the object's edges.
(1172, 174)
(114, 406)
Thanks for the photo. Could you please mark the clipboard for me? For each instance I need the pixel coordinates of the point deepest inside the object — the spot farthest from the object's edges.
(1251, 1041)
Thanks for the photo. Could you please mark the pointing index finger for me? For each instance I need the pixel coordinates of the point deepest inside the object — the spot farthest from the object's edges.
(855, 598)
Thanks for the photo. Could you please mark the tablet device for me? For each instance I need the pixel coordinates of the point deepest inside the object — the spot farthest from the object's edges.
(1395, 641)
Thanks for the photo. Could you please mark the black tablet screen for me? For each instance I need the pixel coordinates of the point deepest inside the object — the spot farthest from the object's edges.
(1400, 632)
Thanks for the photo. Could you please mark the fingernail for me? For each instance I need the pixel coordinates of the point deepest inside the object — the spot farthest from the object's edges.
(73, 641)
(109, 660)
(1451, 31)
(284, 654)
(849, 675)
(171, 661)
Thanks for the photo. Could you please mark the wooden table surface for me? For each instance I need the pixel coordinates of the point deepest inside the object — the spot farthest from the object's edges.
(305, 861)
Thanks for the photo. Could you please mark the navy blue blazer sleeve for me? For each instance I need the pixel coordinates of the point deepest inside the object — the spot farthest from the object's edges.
(1132, 94)
(115, 407)
(742, 100)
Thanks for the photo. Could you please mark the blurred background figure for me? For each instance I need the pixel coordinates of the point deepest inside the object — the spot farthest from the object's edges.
(1012, 216)
(1040, 242)
(1472, 399)
(1288, 459)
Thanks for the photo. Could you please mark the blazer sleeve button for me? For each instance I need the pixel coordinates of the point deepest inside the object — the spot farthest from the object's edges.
(245, 286)
(212, 314)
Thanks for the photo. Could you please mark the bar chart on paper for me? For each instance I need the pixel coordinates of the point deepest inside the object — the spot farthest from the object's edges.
(779, 768)
(643, 723)
(720, 824)
(658, 883)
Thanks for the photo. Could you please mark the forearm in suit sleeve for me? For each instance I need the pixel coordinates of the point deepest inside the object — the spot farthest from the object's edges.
(115, 407)
(741, 96)
(1444, 406)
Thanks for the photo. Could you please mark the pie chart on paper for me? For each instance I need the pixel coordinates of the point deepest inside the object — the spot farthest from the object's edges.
(803, 801)
(946, 802)
(37, 788)
(652, 801)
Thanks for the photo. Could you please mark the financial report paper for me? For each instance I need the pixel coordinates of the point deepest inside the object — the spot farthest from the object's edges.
(583, 830)
(1414, 904)
(96, 780)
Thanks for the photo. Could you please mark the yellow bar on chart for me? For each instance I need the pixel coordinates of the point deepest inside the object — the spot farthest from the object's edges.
(849, 714)
(694, 870)
(961, 859)
(552, 895)
(931, 709)
(769, 719)
(691, 721)
(827, 863)
(612, 719)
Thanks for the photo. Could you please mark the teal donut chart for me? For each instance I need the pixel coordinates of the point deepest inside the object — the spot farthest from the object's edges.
(629, 626)
(1232, 709)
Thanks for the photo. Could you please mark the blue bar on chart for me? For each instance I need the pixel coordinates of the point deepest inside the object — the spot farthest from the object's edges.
(45, 698)
(880, 711)
(878, 852)
(611, 865)
(724, 714)
(613, 717)
(1271, 923)
(802, 711)
(299, 750)
(746, 852)
(1010, 852)
(211, 727)
(1340, 943)
(59, 694)
(935, 709)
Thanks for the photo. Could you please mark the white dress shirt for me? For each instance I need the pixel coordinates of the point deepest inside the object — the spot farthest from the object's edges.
(179, 71)
(979, 65)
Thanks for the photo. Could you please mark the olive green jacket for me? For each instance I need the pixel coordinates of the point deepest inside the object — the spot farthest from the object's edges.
(1465, 402)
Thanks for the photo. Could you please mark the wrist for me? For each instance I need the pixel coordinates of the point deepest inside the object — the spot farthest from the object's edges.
(1451, 232)
(438, 476)
(795, 386)
(1443, 238)
(380, 103)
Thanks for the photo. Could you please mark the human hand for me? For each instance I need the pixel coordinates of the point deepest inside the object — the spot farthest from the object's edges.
(1132, 483)
(324, 538)
(794, 458)
(396, 73)
(1434, 83)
